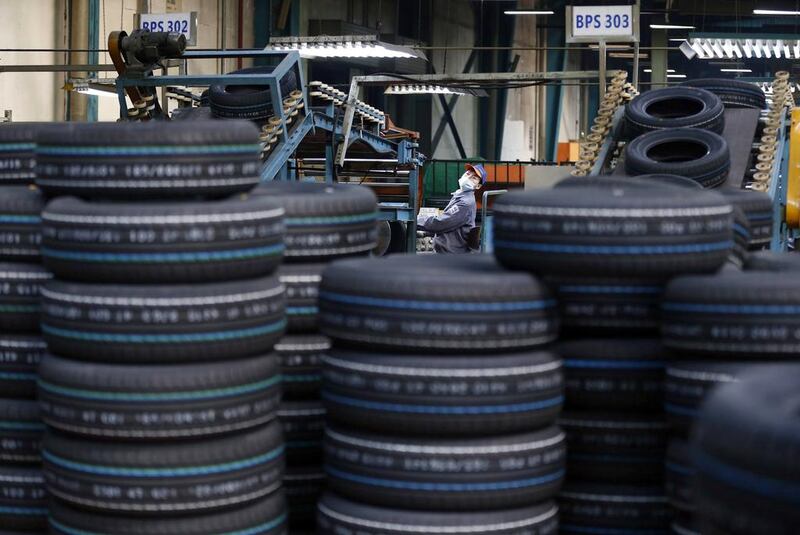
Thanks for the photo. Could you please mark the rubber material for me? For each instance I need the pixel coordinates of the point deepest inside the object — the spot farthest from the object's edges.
(743, 449)
(166, 242)
(700, 155)
(20, 222)
(325, 221)
(636, 229)
(733, 93)
(303, 425)
(605, 306)
(773, 261)
(19, 358)
(757, 208)
(443, 395)
(186, 400)
(23, 504)
(679, 479)
(674, 107)
(155, 159)
(688, 384)
(164, 477)
(439, 303)
(615, 447)
(302, 290)
(741, 238)
(338, 515)
(301, 364)
(17, 158)
(248, 101)
(20, 287)
(674, 180)
(304, 486)
(613, 374)
(163, 323)
(266, 516)
(742, 315)
(445, 474)
(21, 431)
(613, 510)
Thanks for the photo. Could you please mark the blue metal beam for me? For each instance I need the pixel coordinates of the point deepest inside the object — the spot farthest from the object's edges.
(93, 42)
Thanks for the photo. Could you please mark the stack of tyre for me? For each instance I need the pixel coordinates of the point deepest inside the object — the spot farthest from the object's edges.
(323, 222)
(160, 391)
(619, 242)
(441, 398)
(251, 102)
(22, 494)
(721, 327)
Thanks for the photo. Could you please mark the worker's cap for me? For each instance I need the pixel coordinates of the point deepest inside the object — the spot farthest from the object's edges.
(478, 170)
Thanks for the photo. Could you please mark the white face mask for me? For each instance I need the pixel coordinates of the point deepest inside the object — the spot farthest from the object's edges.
(466, 183)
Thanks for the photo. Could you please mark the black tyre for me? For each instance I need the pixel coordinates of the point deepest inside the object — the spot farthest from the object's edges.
(743, 449)
(23, 501)
(741, 239)
(689, 383)
(441, 303)
(679, 476)
(156, 159)
(773, 261)
(20, 223)
(638, 230)
(19, 359)
(433, 395)
(615, 447)
(301, 364)
(742, 315)
(674, 107)
(302, 290)
(303, 425)
(614, 374)
(733, 93)
(17, 153)
(446, 474)
(188, 400)
(162, 242)
(603, 306)
(163, 323)
(248, 101)
(673, 180)
(700, 155)
(611, 509)
(20, 288)
(338, 515)
(325, 221)
(265, 516)
(758, 210)
(160, 477)
(21, 431)
(303, 485)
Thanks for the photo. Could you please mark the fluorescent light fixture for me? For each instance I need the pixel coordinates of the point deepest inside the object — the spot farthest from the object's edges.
(421, 89)
(671, 40)
(670, 27)
(775, 12)
(343, 46)
(738, 48)
(627, 55)
(676, 76)
(527, 12)
(668, 70)
(91, 88)
(735, 70)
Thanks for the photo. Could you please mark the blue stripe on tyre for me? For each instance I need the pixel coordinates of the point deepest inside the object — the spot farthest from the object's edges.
(446, 487)
(186, 471)
(615, 249)
(614, 364)
(255, 530)
(23, 511)
(148, 150)
(731, 309)
(196, 256)
(331, 220)
(611, 289)
(164, 338)
(437, 409)
(437, 305)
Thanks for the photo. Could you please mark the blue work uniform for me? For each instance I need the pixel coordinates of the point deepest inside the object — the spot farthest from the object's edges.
(452, 227)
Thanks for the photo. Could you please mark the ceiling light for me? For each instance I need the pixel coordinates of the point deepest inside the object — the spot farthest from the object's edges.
(676, 76)
(527, 12)
(343, 46)
(676, 40)
(91, 88)
(668, 70)
(775, 12)
(737, 48)
(735, 70)
(420, 89)
(670, 27)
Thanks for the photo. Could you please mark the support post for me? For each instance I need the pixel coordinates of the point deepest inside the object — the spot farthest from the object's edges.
(659, 59)
(601, 86)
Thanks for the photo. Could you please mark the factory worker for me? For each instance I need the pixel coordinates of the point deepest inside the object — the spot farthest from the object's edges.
(452, 227)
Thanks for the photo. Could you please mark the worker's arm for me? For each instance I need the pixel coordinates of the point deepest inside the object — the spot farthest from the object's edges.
(451, 219)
